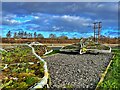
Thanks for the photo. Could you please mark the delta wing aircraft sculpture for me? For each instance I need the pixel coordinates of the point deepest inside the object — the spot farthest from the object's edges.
(87, 46)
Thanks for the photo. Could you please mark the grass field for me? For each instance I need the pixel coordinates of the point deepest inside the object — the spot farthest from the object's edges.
(20, 73)
(112, 79)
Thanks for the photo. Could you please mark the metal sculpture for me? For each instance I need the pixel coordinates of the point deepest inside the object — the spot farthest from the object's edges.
(87, 46)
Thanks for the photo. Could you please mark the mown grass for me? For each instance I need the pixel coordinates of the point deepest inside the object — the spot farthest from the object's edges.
(112, 79)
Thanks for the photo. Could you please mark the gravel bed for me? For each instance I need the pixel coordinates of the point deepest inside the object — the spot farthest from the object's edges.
(77, 71)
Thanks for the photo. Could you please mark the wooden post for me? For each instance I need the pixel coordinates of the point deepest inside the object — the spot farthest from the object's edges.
(94, 31)
(99, 29)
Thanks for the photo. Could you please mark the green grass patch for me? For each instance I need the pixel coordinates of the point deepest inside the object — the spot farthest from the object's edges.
(112, 79)
(68, 86)
(19, 73)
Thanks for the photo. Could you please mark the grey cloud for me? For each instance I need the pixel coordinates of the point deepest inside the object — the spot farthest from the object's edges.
(94, 10)
(60, 1)
(78, 15)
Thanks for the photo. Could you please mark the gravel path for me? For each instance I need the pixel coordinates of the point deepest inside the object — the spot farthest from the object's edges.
(78, 71)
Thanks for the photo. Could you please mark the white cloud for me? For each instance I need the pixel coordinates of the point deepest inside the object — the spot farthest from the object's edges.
(81, 21)
(36, 17)
(10, 16)
(11, 21)
(14, 21)
(56, 28)
(100, 6)
(73, 18)
(70, 18)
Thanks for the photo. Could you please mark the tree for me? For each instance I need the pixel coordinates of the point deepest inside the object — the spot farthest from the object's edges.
(40, 36)
(35, 34)
(74, 38)
(30, 35)
(52, 36)
(8, 35)
(0, 38)
(63, 37)
(22, 34)
(19, 34)
(15, 35)
(25, 34)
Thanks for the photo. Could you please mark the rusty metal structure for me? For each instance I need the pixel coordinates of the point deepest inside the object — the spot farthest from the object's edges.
(97, 26)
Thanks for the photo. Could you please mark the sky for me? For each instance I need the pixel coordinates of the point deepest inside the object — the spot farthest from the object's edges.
(73, 19)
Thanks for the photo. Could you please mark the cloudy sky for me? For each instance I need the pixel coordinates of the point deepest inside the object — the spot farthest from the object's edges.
(73, 19)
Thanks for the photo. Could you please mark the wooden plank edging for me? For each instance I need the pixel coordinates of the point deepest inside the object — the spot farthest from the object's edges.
(104, 74)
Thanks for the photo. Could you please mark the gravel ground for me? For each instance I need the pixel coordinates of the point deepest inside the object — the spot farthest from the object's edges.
(77, 71)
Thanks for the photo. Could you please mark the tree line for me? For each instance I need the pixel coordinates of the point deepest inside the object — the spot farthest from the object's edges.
(24, 34)
(52, 37)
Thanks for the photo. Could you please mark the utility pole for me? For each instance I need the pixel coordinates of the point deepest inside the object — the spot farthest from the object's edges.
(97, 34)
(99, 29)
(94, 31)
